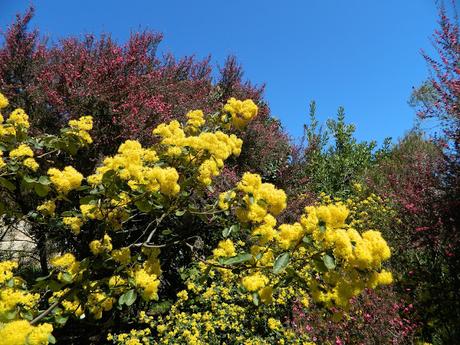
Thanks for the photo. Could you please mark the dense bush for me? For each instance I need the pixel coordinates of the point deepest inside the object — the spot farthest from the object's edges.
(137, 229)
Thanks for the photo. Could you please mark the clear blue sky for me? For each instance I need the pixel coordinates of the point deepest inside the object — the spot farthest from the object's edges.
(361, 54)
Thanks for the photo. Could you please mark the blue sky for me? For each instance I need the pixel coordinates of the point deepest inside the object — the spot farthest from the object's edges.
(361, 54)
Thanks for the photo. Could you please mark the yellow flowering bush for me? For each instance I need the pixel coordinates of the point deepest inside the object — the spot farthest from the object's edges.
(119, 243)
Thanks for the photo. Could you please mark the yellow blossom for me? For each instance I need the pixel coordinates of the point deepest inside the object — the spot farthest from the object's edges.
(65, 180)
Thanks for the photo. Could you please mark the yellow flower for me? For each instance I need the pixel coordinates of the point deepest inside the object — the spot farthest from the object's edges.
(254, 282)
(148, 282)
(6, 270)
(15, 332)
(99, 247)
(81, 127)
(40, 334)
(225, 248)
(47, 208)
(84, 123)
(241, 112)
(65, 180)
(74, 223)
(274, 324)
(31, 164)
(195, 118)
(117, 281)
(19, 118)
(122, 255)
(183, 295)
(3, 101)
(22, 151)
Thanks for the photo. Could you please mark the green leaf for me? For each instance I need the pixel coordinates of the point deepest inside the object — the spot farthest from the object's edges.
(329, 262)
(61, 319)
(281, 262)
(41, 190)
(319, 265)
(243, 257)
(166, 232)
(307, 240)
(11, 315)
(66, 278)
(180, 213)
(108, 177)
(27, 315)
(128, 298)
(7, 184)
(51, 339)
(143, 205)
(226, 232)
(255, 298)
(87, 199)
(235, 228)
(29, 179)
(44, 180)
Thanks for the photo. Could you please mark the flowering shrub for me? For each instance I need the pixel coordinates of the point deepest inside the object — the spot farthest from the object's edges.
(119, 223)
(129, 90)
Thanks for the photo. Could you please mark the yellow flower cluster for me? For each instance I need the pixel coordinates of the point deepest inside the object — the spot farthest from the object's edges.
(241, 112)
(134, 337)
(146, 276)
(74, 223)
(3, 101)
(135, 165)
(98, 247)
(90, 211)
(258, 200)
(225, 198)
(65, 180)
(149, 284)
(22, 151)
(6, 270)
(47, 208)
(19, 119)
(79, 128)
(122, 255)
(14, 299)
(98, 302)
(195, 119)
(209, 149)
(21, 332)
(68, 267)
(254, 282)
(225, 248)
(31, 164)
